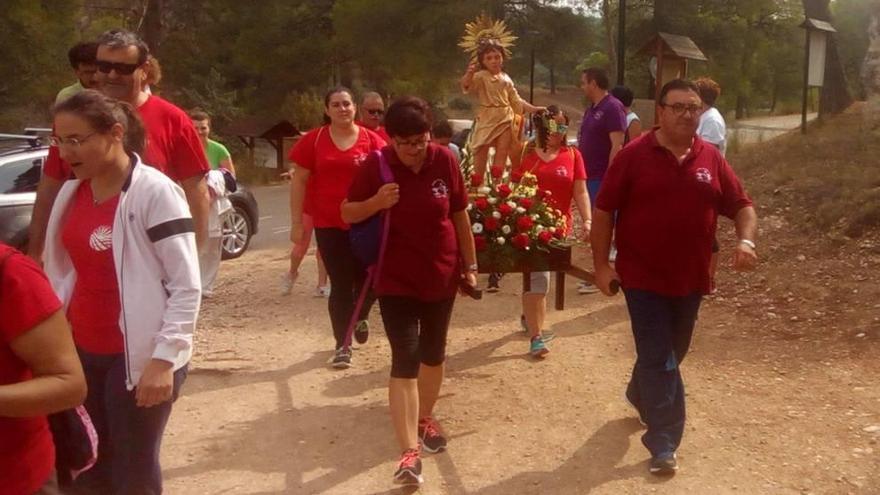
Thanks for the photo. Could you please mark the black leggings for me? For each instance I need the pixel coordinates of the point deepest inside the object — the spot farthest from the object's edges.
(346, 279)
(416, 331)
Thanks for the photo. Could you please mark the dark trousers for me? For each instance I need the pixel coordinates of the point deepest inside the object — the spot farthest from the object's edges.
(416, 331)
(129, 437)
(347, 276)
(662, 328)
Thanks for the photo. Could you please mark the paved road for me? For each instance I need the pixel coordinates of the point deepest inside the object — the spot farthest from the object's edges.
(274, 229)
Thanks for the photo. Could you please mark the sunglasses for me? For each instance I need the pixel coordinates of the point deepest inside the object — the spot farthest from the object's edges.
(120, 68)
(376, 113)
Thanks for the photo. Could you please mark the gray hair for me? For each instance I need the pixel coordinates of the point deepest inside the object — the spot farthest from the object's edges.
(371, 95)
(120, 38)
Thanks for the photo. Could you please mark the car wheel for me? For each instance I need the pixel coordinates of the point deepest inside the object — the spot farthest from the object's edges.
(237, 232)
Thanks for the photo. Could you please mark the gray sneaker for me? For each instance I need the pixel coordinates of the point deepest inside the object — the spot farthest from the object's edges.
(342, 358)
(664, 464)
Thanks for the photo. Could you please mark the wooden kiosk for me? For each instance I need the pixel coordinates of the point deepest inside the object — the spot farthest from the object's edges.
(670, 53)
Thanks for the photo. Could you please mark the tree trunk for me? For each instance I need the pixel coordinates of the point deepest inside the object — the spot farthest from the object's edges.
(152, 25)
(835, 96)
(608, 22)
(871, 65)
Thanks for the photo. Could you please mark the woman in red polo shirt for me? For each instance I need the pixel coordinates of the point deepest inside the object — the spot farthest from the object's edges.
(39, 374)
(326, 160)
(560, 170)
(432, 246)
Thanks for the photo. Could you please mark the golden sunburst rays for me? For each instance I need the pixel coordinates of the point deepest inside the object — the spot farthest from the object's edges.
(482, 30)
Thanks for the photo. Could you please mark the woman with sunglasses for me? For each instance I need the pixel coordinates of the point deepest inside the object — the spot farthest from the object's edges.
(432, 248)
(325, 161)
(559, 169)
(121, 255)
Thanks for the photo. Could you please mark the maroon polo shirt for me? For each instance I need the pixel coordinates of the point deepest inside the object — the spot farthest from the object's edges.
(422, 256)
(667, 213)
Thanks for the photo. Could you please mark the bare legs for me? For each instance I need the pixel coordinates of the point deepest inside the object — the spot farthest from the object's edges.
(411, 399)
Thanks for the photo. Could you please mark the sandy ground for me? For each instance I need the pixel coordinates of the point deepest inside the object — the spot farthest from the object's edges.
(781, 382)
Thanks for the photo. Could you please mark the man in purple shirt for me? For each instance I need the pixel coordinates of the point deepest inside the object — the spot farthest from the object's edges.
(602, 130)
(600, 138)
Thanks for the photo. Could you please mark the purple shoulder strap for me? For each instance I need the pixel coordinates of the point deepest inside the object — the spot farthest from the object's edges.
(373, 271)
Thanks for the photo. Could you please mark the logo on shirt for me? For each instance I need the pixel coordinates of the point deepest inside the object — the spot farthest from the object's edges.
(598, 114)
(703, 175)
(359, 159)
(439, 189)
(101, 239)
(561, 171)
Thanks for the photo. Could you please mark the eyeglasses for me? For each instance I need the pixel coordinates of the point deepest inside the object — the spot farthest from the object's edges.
(681, 108)
(120, 68)
(59, 141)
(376, 113)
(419, 143)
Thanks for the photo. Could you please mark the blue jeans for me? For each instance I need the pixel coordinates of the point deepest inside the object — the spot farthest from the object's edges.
(593, 186)
(662, 327)
(129, 437)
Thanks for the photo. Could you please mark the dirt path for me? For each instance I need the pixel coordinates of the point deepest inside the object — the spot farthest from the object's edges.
(782, 391)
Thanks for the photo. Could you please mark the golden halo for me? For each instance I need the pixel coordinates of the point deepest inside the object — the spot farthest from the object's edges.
(484, 29)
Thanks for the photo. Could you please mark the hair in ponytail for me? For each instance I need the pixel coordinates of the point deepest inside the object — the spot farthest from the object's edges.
(102, 113)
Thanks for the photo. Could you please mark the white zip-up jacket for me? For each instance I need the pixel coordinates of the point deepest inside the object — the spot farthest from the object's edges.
(157, 267)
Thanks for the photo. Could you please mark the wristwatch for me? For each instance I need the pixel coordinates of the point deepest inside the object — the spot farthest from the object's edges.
(748, 243)
(472, 268)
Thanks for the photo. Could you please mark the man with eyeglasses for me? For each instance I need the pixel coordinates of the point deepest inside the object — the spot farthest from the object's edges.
(668, 188)
(601, 136)
(372, 110)
(173, 146)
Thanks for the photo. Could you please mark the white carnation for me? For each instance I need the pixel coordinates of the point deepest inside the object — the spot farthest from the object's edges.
(511, 204)
(500, 240)
(505, 229)
(477, 228)
(492, 201)
(496, 214)
(539, 228)
(484, 190)
(520, 209)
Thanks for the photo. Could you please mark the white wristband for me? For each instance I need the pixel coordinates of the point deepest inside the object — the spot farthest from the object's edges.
(748, 243)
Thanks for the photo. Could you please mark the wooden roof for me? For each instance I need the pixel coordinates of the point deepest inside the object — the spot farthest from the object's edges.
(818, 25)
(261, 128)
(674, 44)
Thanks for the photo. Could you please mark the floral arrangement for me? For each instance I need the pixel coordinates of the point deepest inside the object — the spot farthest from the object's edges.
(513, 225)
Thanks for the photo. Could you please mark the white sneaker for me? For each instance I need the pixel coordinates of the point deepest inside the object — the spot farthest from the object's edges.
(587, 288)
(322, 291)
(287, 281)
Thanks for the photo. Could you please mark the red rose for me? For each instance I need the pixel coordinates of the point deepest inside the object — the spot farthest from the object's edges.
(480, 242)
(481, 203)
(505, 209)
(504, 190)
(524, 224)
(544, 194)
(516, 176)
(520, 240)
(545, 237)
(526, 203)
(559, 234)
(490, 224)
(476, 180)
(496, 172)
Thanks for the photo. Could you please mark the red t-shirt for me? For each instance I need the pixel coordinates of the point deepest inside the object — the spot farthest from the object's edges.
(379, 130)
(668, 213)
(332, 171)
(422, 256)
(173, 146)
(94, 306)
(27, 454)
(557, 176)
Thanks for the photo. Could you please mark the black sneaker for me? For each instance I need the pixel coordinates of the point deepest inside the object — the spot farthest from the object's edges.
(362, 331)
(409, 470)
(494, 279)
(632, 402)
(429, 433)
(664, 464)
(342, 358)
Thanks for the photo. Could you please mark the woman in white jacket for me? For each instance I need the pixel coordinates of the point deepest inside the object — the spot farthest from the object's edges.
(121, 254)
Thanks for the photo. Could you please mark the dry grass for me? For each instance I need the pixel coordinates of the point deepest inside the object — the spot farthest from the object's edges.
(826, 181)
